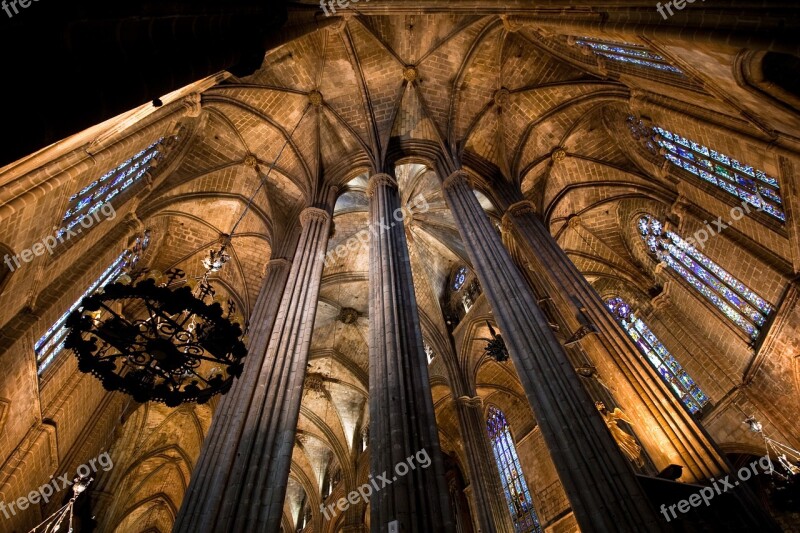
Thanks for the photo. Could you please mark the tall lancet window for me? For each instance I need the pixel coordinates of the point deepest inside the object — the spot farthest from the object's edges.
(51, 343)
(737, 302)
(752, 186)
(633, 54)
(109, 185)
(670, 370)
(520, 503)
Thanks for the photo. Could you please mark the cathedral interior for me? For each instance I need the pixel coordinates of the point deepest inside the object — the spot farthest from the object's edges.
(498, 266)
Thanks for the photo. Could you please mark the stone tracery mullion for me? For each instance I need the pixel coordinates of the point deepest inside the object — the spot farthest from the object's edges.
(701, 462)
(600, 485)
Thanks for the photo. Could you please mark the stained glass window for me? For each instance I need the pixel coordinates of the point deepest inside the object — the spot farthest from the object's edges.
(518, 497)
(633, 54)
(52, 342)
(461, 277)
(668, 368)
(733, 298)
(109, 185)
(752, 186)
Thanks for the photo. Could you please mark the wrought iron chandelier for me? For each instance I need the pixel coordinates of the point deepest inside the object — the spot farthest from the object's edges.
(160, 336)
(166, 337)
(496, 346)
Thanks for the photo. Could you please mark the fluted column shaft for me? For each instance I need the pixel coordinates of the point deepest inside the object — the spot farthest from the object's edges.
(402, 418)
(667, 430)
(487, 491)
(250, 489)
(600, 485)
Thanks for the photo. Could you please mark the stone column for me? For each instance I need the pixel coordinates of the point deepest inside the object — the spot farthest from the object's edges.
(490, 505)
(240, 482)
(402, 418)
(600, 485)
(665, 428)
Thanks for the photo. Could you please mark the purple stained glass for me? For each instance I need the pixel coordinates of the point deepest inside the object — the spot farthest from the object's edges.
(515, 488)
(629, 53)
(659, 357)
(718, 169)
(734, 299)
(93, 195)
(50, 344)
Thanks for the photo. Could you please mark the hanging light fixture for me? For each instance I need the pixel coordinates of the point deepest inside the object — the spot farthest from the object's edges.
(496, 346)
(165, 337)
(788, 457)
(53, 523)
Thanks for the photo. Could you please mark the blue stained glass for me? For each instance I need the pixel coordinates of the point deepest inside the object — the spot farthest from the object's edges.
(699, 148)
(92, 194)
(724, 172)
(742, 168)
(766, 179)
(748, 184)
(515, 488)
(629, 53)
(769, 193)
(777, 213)
(460, 277)
(659, 357)
(51, 343)
(708, 177)
(682, 140)
(691, 168)
(733, 298)
(722, 158)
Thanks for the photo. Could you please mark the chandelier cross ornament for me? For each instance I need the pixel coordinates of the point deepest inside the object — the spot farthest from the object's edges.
(788, 457)
(53, 523)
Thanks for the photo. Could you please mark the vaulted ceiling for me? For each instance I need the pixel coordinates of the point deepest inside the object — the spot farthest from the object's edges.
(417, 95)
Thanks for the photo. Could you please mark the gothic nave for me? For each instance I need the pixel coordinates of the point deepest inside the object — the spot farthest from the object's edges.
(499, 266)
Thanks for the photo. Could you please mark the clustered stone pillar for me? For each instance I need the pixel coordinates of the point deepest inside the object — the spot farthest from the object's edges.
(600, 485)
(666, 429)
(487, 491)
(239, 484)
(402, 418)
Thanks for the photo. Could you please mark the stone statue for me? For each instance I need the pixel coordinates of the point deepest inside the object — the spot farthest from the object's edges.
(626, 442)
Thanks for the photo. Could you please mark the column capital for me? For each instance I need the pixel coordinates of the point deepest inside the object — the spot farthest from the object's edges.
(278, 262)
(379, 179)
(456, 178)
(515, 210)
(310, 214)
(476, 402)
(521, 208)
